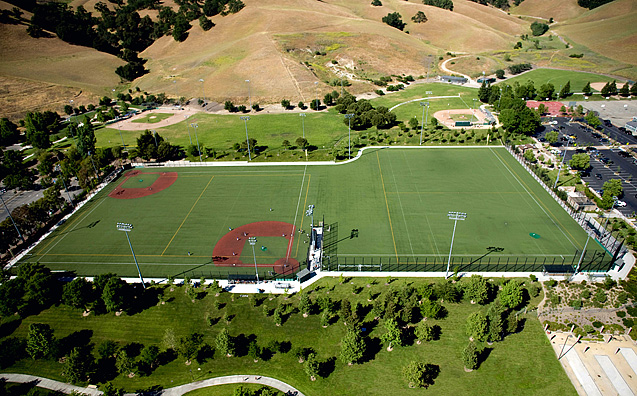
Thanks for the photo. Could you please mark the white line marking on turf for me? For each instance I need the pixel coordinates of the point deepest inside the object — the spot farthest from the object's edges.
(533, 198)
(75, 226)
(400, 202)
(298, 203)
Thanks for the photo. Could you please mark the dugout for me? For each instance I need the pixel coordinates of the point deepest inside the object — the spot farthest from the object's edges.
(241, 278)
(303, 275)
(558, 270)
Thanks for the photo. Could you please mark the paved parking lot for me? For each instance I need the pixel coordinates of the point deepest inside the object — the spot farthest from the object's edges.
(618, 111)
(617, 166)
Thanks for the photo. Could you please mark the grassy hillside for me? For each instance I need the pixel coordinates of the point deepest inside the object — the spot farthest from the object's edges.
(609, 30)
(546, 9)
(51, 65)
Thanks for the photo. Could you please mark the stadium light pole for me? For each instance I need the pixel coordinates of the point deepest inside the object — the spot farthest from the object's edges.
(58, 169)
(94, 168)
(423, 104)
(119, 128)
(155, 135)
(303, 121)
(455, 216)
(249, 95)
(561, 163)
(581, 257)
(126, 227)
(473, 110)
(195, 125)
(188, 129)
(253, 241)
(203, 94)
(349, 133)
(245, 122)
(2, 191)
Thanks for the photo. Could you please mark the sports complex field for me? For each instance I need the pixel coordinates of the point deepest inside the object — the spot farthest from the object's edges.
(397, 199)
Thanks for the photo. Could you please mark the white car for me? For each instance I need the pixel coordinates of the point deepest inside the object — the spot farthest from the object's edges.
(621, 204)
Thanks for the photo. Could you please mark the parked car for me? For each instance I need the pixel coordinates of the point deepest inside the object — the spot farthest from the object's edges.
(619, 203)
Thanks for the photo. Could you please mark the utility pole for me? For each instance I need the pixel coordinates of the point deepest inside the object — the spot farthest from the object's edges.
(303, 121)
(253, 241)
(2, 191)
(245, 121)
(349, 133)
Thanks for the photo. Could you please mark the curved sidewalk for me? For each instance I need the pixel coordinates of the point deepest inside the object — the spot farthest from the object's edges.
(176, 391)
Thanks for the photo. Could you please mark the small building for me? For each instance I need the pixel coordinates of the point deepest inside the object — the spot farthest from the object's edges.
(577, 199)
(486, 80)
(453, 79)
(632, 126)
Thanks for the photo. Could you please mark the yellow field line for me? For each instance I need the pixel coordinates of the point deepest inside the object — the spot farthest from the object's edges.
(541, 203)
(455, 192)
(186, 218)
(387, 205)
(302, 217)
(254, 175)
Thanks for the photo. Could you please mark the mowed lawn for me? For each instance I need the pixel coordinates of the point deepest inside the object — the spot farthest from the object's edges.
(522, 364)
(398, 199)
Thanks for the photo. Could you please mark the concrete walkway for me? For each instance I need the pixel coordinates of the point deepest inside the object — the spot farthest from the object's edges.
(176, 391)
(50, 384)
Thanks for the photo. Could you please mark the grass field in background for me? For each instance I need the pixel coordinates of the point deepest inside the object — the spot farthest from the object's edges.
(527, 352)
(559, 78)
(398, 199)
(322, 129)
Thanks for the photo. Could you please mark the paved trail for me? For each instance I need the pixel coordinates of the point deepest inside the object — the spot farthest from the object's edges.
(176, 391)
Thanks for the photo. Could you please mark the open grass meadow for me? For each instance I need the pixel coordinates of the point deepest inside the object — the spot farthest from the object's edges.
(324, 130)
(559, 78)
(522, 364)
(398, 199)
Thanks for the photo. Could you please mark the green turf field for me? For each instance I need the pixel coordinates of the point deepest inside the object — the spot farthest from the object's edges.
(398, 199)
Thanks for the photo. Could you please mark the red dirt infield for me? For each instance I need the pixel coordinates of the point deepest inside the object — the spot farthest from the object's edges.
(165, 180)
(222, 254)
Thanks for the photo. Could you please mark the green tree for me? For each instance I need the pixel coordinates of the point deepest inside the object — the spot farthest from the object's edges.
(124, 363)
(285, 104)
(614, 187)
(278, 316)
(581, 161)
(9, 133)
(311, 366)
(78, 293)
(499, 74)
(205, 23)
(110, 390)
(149, 355)
(546, 91)
(115, 294)
(484, 92)
(470, 356)
(566, 90)
(419, 17)
(79, 365)
(477, 289)
(394, 20)
(625, 90)
(529, 156)
(424, 332)
(377, 3)
(352, 347)
(538, 28)
(477, 326)
(16, 173)
(511, 294)
(224, 343)
(40, 340)
(633, 90)
(494, 316)
(592, 120)
(587, 90)
(413, 123)
(189, 346)
(305, 303)
(301, 143)
(392, 335)
(254, 351)
(444, 4)
(552, 137)
(430, 309)
(420, 375)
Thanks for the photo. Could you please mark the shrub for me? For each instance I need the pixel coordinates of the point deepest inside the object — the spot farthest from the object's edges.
(586, 294)
(632, 311)
(550, 283)
(588, 329)
(621, 314)
(600, 296)
(628, 322)
(597, 324)
(539, 28)
(577, 304)
(533, 278)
